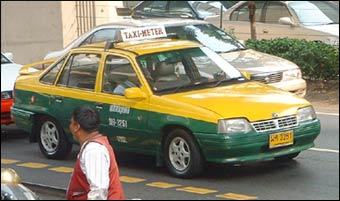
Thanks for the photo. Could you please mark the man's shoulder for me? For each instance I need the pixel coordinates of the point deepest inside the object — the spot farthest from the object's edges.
(94, 146)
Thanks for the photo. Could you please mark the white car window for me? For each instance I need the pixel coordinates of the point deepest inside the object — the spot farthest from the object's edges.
(242, 13)
(100, 36)
(315, 13)
(274, 11)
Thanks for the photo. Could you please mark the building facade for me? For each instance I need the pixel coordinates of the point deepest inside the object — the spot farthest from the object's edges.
(31, 29)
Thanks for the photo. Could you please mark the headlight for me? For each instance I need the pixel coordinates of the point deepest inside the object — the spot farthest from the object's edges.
(6, 95)
(305, 114)
(291, 74)
(233, 126)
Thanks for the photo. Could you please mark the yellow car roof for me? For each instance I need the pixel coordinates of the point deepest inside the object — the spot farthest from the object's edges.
(147, 46)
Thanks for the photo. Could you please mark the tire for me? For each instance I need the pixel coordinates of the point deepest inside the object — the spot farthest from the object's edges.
(182, 155)
(287, 157)
(52, 140)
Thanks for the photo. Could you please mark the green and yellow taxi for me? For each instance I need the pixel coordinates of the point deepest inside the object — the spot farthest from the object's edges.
(176, 100)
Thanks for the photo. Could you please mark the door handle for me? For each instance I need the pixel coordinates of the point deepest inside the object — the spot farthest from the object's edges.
(58, 99)
(99, 106)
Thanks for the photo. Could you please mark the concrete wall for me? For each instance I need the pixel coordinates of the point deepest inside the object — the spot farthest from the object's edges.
(29, 29)
(106, 11)
(69, 22)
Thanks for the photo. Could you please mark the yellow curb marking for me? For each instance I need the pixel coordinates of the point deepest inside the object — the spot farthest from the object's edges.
(62, 169)
(235, 196)
(33, 165)
(162, 185)
(8, 161)
(130, 179)
(192, 189)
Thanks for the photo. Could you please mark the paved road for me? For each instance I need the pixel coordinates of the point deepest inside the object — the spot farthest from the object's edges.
(313, 175)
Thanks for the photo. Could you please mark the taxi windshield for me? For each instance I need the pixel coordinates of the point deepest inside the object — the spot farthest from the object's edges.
(207, 34)
(187, 69)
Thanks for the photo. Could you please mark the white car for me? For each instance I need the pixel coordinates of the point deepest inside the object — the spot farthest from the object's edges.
(9, 73)
(269, 69)
(310, 20)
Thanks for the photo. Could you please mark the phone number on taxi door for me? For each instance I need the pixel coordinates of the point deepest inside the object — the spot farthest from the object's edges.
(121, 123)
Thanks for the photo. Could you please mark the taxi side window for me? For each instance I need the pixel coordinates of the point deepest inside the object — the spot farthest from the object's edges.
(80, 71)
(51, 75)
(118, 75)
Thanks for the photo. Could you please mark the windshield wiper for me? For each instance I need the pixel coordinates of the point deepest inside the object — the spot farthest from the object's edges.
(229, 80)
(186, 85)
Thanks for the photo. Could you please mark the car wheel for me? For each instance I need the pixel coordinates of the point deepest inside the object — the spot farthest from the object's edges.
(52, 140)
(182, 154)
(287, 157)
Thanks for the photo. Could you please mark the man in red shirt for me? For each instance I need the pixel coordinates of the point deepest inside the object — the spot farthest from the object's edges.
(96, 174)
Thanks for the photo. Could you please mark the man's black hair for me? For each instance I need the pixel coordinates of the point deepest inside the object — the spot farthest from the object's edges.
(87, 117)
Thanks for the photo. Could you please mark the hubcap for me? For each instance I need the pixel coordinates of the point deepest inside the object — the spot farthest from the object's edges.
(49, 137)
(179, 153)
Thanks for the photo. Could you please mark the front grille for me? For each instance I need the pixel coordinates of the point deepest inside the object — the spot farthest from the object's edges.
(273, 124)
(268, 78)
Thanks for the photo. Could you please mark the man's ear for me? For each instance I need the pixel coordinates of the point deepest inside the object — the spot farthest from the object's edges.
(76, 127)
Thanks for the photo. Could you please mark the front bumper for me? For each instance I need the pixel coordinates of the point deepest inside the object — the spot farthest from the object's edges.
(297, 86)
(235, 148)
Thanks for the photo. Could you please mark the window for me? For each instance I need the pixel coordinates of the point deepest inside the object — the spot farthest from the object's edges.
(51, 75)
(274, 11)
(311, 13)
(242, 13)
(178, 8)
(80, 71)
(208, 8)
(100, 36)
(208, 35)
(118, 75)
(155, 7)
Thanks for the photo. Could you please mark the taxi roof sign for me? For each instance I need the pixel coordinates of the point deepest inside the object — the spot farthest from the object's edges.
(143, 33)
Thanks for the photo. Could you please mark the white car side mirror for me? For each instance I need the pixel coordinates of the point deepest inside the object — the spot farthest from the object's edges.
(286, 21)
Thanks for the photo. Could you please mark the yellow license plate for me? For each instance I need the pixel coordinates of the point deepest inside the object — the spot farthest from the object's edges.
(281, 139)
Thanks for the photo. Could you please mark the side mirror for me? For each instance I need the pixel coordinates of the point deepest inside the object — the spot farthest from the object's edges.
(134, 93)
(123, 11)
(286, 21)
(9, 55)
(246, 74)
(187, 15)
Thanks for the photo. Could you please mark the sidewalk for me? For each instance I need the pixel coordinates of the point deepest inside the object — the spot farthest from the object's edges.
(323, 106)
(324, 98)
